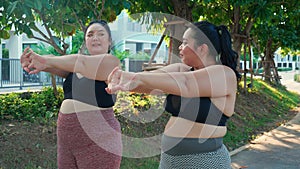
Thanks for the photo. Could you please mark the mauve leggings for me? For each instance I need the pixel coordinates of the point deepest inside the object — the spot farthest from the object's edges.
(89, 140)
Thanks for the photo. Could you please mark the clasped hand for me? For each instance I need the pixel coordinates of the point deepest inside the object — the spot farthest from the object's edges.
(32, 62)
(120, 80)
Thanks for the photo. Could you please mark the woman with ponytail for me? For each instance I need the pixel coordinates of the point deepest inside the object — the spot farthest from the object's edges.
(201, 97)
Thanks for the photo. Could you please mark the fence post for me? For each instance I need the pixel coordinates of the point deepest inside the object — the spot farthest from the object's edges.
(126, 60)
(21, 77)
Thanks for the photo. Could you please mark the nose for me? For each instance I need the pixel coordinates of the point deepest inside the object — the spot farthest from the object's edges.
(180, 47)
(95, 37)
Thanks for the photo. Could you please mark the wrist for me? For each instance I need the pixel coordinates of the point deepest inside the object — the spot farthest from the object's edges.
(138, 79)
(48, 61)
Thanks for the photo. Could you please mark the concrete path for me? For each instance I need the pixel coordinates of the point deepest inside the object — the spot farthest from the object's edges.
(288, 81)
(277, 149)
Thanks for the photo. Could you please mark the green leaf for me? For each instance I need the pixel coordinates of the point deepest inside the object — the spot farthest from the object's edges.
(12, 7)
(4, 34)
(46, 4)
(29, 3)
(115, 2)
(38, 5)
(126, 4)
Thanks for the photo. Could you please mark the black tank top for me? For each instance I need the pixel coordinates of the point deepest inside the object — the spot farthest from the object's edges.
(198, 109)
(86, 90)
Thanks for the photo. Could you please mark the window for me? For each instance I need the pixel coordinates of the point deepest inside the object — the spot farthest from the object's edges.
(139, 47)
(31, 45)
(284, 64)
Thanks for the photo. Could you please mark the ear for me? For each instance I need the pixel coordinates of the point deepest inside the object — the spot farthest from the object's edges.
(202, 50)
(110, 42)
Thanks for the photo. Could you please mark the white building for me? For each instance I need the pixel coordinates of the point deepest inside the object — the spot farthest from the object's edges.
(288, 61)
(129, 35)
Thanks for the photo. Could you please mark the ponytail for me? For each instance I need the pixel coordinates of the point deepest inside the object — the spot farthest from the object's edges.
(218, 40)
(228, 56)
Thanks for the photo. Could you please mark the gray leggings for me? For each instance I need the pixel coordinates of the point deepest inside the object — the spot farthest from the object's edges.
(192, 153)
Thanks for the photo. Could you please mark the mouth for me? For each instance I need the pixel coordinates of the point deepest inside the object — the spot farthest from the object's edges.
(96, 45)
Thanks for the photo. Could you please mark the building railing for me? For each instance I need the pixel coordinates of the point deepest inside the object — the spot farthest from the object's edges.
(13, 76)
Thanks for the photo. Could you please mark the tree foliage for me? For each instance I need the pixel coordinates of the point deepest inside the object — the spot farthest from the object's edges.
(259, 21)
(59, 19)
(5, 27)
(248, 20)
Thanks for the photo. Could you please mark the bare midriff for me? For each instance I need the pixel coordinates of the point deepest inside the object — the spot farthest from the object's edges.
(179, 127)
(74, 106)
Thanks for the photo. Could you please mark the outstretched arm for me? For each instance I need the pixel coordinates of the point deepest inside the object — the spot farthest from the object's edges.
(212, 81)
(95, 67)
(175, 67)
(25, 62)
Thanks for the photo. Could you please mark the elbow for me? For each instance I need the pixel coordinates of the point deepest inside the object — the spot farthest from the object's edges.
(231, 84)
(113, 59)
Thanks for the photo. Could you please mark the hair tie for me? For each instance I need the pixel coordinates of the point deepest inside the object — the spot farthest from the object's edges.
(219, 29)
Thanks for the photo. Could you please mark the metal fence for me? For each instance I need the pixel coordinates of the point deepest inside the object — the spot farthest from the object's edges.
(13, 76)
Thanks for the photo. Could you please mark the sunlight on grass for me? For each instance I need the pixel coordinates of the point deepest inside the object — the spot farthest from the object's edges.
(276, 104)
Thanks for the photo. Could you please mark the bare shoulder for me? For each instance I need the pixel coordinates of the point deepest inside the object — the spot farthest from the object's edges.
(174, 67)
(221, 70)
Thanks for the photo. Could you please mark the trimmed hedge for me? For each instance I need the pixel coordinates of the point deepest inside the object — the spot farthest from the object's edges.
(30, 105)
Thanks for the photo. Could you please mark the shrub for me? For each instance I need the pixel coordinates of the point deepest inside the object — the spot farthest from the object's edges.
(30, 105)
(297, 77)
(283, 69)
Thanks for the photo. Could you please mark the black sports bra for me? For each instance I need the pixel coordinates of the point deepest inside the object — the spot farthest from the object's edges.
(86, 90)
(198, 109)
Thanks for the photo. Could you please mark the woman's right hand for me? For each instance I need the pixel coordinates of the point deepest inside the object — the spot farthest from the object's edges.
(32, 62)
(121, 80)
(37, 62)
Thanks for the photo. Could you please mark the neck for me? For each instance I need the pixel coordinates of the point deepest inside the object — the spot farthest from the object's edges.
(203, 65)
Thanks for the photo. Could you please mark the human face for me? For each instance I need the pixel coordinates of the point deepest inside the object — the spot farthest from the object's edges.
(97, 39)
(187, 51)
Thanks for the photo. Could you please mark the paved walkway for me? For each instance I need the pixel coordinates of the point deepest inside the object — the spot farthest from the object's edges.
(288, 81)
(277, 149)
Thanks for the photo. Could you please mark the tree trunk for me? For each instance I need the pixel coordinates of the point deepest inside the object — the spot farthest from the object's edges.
(235, 32)
(268, 60)
(239, 36)
(237, 46)
(53, 82)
